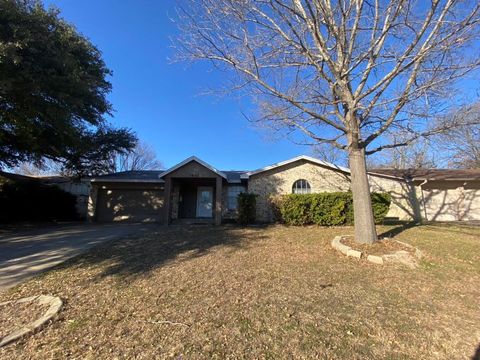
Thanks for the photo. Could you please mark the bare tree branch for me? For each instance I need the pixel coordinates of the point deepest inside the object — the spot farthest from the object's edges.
(346, 73)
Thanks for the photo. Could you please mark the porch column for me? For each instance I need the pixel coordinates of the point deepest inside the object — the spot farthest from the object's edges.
(167, 200)
(218, 201)
(92, 203)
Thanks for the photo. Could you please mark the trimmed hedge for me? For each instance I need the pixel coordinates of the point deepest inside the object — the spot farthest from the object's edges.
(325, 209)
(247, 208)
(33, 201)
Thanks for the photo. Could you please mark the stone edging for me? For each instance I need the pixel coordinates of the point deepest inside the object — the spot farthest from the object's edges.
(55, 306)
(375, 259)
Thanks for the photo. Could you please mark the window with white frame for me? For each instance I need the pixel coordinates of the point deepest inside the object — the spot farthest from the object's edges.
(301, 187)
(232, 196)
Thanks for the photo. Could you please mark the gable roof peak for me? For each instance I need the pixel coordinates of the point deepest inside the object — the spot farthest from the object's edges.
(298, 158)
(190, 159)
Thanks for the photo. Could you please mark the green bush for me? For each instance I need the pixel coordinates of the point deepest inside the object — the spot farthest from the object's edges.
(295, 209)
(380, 203)
(326, 209)
(247, 207)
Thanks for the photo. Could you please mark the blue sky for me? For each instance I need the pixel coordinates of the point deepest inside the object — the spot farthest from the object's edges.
(161, 101)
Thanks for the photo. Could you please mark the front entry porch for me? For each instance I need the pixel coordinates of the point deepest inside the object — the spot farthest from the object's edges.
(193, 190)
(194, 201)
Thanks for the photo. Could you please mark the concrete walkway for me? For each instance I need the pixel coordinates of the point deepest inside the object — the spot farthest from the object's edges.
(26, 253)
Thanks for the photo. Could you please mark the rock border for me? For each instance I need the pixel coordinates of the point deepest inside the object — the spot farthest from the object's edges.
(55, 305)
(398, 256)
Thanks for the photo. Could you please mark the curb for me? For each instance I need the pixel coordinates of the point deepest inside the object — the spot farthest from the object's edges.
(337, 245)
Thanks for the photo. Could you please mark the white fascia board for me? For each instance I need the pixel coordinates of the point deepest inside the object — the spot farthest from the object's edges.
(301, 157)
(315, 161)
(190, 159)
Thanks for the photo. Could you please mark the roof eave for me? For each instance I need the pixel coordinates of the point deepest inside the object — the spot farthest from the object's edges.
(190, 159)
(159, 181)
(297, 158)
(445, 179)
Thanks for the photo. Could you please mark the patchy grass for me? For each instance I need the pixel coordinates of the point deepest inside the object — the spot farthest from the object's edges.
(267, 293)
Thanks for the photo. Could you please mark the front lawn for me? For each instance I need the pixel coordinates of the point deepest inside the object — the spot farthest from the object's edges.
(272, 293)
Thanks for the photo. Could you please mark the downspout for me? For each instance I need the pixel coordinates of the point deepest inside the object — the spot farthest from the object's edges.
(423, 199)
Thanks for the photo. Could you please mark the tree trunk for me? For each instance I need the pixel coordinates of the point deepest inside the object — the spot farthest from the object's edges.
(365, 231)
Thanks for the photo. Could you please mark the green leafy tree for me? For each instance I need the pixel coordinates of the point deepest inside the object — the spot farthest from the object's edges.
(53, 88)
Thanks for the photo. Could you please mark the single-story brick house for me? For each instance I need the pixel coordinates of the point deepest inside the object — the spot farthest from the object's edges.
(195, 191)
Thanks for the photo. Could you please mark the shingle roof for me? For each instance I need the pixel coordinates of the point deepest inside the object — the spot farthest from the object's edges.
(236, 176)
(233, 176)
(132, 176)
(431, 174)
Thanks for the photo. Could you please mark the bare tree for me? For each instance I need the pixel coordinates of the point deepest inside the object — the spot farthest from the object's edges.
(461, 146)
(43, 168)
(343, 72)
(416, 155)
(330, 154)
(141, 157)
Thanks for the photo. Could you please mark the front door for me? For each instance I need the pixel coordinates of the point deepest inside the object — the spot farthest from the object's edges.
(204, 202)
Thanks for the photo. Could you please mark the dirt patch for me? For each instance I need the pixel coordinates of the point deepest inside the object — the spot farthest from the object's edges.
(379, 248)
(15, 315)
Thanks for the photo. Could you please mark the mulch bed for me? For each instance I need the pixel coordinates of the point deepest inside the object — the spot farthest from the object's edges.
(380, 247)
(13, 316)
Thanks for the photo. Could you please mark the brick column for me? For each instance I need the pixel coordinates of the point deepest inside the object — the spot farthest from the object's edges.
(218, 200)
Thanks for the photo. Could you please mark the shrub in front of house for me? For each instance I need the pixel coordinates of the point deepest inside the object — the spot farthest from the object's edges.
(247, 208)
(325, 209)
(33, 201)
(381, 204)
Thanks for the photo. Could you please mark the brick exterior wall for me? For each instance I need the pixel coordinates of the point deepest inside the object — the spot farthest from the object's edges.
(279, 181)
(444, 200)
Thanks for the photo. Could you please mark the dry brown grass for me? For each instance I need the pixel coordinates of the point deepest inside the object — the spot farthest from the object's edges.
(267, 293)
(14, 316)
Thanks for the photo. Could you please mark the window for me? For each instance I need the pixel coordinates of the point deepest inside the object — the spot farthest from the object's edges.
(301, 187)
(232, 195)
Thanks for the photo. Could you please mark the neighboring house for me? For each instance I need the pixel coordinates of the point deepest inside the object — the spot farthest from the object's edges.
(194, 191)
(442, 194)
(78, 187)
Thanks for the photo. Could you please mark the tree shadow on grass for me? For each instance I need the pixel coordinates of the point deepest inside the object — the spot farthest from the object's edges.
(137, 255)
(454, 227)
(401, 227)
(463, 228)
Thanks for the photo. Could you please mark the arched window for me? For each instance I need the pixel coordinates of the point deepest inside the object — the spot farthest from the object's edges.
(301, 187)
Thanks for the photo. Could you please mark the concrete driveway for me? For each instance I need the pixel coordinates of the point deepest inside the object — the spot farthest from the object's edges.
(26, 253)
